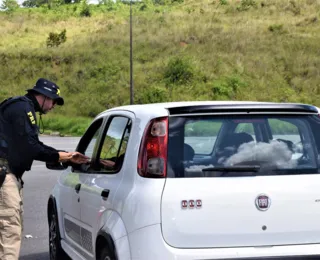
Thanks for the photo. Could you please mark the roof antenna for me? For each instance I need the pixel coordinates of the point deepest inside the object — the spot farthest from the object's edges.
(131, 62)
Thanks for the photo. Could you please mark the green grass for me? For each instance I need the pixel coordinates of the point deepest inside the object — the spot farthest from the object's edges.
(264, 50)
(63, 125)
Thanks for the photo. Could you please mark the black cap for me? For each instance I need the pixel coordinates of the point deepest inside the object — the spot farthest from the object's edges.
(48, 89)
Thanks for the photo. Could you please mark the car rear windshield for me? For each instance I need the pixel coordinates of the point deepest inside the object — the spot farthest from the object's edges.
(242, 145)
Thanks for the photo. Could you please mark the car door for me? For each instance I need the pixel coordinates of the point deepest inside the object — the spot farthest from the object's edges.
(71, 182)
(99, 190)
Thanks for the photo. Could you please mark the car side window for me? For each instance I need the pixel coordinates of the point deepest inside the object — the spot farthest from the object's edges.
(114, 144)
(246, 128)
(288, 133)
(89, 140)
(201, 135)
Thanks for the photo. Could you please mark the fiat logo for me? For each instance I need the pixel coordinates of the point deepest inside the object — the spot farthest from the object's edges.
(263, 202)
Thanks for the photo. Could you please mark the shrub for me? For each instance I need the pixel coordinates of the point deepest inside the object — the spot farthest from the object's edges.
(246, 5)
(223, 2)
(85, 9)
(166, 2)
(154, 94)
(227, 88)
(55, 39)
(276, 28)
(179, 71)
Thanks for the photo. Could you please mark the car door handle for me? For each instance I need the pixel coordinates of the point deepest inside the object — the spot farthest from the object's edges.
(77, 187)
(105, 194)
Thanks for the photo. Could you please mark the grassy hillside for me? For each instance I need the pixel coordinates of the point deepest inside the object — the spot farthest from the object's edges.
(195, 50)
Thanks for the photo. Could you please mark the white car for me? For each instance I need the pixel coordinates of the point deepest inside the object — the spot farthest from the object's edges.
(192, 180)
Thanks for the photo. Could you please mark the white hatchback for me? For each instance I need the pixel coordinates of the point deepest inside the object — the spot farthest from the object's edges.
(192, 180)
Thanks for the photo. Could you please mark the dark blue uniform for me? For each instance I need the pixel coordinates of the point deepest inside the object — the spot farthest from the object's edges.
(19, 141)
(19, 147)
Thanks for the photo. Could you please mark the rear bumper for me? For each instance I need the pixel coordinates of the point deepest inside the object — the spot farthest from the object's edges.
(147, 243)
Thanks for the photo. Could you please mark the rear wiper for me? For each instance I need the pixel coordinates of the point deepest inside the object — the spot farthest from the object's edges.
(239, 168)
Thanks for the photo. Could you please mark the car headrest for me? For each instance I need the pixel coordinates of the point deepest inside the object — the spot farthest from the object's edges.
(188, 152)
(236, 139)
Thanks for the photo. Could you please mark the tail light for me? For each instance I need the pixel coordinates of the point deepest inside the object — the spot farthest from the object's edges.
(152, 160)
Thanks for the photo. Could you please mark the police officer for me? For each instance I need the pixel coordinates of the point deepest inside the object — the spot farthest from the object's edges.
(19, 147)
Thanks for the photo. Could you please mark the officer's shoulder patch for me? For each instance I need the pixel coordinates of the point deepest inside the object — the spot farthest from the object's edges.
(31, 117)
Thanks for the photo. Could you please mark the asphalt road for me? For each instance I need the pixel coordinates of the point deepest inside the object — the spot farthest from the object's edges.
(38, 184)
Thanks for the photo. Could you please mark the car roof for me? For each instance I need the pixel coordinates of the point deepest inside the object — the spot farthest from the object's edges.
(166, 108)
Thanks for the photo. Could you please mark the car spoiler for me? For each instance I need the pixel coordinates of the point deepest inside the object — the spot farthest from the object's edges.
(244, 108)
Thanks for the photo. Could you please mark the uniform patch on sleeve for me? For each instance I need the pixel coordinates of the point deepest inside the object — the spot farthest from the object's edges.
(30, 115)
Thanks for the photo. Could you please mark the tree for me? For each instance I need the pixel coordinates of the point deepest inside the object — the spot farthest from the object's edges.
(34, 3)
(9, 5)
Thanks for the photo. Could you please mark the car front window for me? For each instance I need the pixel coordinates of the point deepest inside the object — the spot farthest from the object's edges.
(88, 142)
(114, 144)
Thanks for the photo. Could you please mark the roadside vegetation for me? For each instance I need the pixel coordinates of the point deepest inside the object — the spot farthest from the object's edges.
(264, 50)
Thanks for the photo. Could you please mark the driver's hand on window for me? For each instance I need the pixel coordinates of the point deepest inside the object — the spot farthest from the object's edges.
(107, 163)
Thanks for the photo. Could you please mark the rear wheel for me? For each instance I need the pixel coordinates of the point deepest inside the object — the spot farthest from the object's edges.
(55, 249)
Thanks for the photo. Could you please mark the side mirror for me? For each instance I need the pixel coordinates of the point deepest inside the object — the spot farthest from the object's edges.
(56, 166)
(81, 167)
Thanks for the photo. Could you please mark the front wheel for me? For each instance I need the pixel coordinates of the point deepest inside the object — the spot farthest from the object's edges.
(55, 249)
(106, 254)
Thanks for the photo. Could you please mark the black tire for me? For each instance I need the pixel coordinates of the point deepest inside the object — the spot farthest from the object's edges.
(55, 250)
(106, 254)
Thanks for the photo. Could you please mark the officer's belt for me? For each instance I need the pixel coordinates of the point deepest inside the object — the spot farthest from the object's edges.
(4, 168)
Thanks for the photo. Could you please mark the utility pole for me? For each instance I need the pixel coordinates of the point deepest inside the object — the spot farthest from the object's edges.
(131, 57)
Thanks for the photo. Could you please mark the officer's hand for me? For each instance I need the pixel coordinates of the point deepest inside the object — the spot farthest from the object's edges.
(63, 156)
(79, 158)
